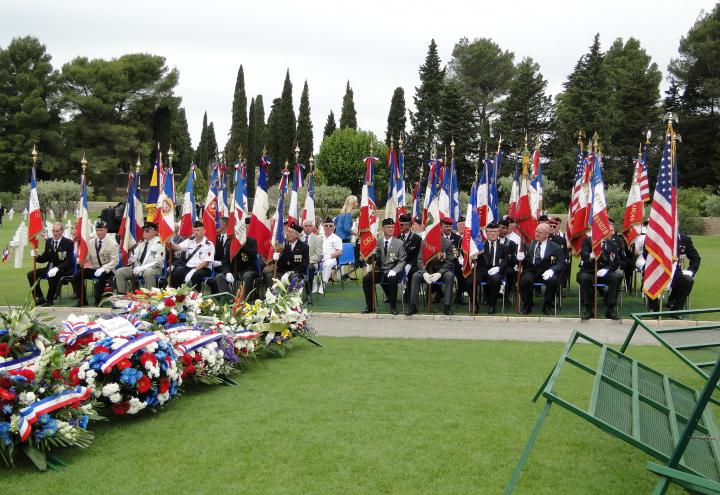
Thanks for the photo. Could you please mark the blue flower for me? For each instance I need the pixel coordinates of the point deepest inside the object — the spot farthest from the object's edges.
(160, 355)
(130, 376)
(160, 319)
(162, 345)
(182, 316)
(7, 409)
(84, 420)
(45, 419)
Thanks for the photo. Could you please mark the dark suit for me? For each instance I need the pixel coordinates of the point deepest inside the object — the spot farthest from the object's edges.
(412, 250)
(444, 264)
(681, 284)
(393, 259)
(610, 259)
(511, 250)
(492, 256)
(293, 260)
(62, 258)
(243, 267)
(552, 259)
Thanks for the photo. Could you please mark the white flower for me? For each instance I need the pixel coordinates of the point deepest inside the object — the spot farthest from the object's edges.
(136, 405)
(110, 389)
(26, 397)
(115, 398)
(161, 306)
(151, 347)
(162, 398)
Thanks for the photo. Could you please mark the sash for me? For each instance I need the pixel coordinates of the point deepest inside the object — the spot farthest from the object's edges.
(127, 349)
(30, 414)
(195, 343)
(28, 361)
(73, 329)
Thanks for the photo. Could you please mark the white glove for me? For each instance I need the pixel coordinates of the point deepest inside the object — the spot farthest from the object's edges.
(53, 271)
(427, 278)
(435, 277)
(276, 256)
(216, 263)
(592, 255)
(137, 271)
(189, 275)
(640, 263)
(33, 253)
(99, 271)
(547, 274)
(689, 273)
(493, 270)
(602, 272)
(285, 278)
(520, 256)
(392, 273)
(461, 260)
(229, 277)
(407, 269)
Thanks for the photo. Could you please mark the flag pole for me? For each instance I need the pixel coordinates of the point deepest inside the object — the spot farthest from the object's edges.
(595, 149)
(83, 162)
(170, 155)
(131, 186)
(474, 284)
(372, 268)
(34, 154)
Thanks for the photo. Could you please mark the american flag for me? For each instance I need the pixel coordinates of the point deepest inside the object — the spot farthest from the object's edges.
(577, 224)
(643, 176)
(662, 227)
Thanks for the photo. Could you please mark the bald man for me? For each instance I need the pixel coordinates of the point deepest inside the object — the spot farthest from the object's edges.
(542, 261)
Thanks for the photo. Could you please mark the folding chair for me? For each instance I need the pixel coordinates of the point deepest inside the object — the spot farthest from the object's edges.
(557, 301)
(346, 258)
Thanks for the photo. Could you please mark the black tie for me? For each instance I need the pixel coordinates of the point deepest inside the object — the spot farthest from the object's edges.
(385, 250)
(538, 258)
(402, 237)
(55, 246)
(142, 256)
(492, 253)
(97, 252)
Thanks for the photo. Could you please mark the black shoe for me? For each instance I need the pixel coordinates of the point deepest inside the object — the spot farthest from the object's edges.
(611, 314)
(411, 310)
(491, 310)
(386, 300)
(526, 310)
(588, 314)
(40, 301)
(309, 301)
(447, 310)
(437, 297)
(47, 304)
(394, 310)
(365, 310)
(547, 311)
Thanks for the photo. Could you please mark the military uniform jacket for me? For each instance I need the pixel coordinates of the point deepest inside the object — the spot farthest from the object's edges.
(154, 256)
(60, 258)
(511, 249)
(197, 252)
(315, 246)
(245, 260)
(108, 256)
(395, 257)
(610, 256)
(687, 250)
(445, 262)
(412, 248)
(553, 259)
(294, 259)
(501, 256)
(222, 248)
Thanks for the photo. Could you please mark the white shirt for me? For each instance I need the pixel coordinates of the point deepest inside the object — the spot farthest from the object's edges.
(331, 244)
(543, 246)
(205, 253)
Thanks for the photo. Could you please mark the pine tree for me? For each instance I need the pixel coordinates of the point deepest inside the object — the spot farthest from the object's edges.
(457, 123)
(329, 125)
(202, 153)
(427, 103)
(348, 115)
(239, 127)
(304, 134)
(527, 109)
(396, 116)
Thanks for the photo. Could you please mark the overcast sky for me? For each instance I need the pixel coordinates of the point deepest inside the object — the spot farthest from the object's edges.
(378, 46)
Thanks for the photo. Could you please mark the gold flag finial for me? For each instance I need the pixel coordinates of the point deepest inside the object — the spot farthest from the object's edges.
(400, 142)
(312, 162)
(452, 148)
(138, 165)
(264, 151)
(297, 152)
(170, 155)
(500, 140)
(83, 162)
(34, 154)
(392, 141)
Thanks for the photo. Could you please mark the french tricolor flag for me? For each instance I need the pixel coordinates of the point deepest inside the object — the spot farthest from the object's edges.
(166, 207)
(236, 222)
(188, 208)
(210, 213)
(82, 228)
(259, 228)
(309, 209)
(293, 215)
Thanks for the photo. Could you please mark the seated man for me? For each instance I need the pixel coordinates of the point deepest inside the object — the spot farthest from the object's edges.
(146, 261)
(491, 266)
(608, 272)
(100, 263)
(332, 249)
(411, 243)
(292, 261)
(387, 262)
(199, 254)
(315, 250)
(440, 267)
(60, 258)
(244, 265)
(511, 250)
(543, 260)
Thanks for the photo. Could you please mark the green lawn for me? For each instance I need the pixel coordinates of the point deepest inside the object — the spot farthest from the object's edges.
(361, 416)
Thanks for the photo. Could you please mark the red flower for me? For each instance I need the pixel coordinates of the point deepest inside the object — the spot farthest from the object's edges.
(73, 377)
(186, 360)
(28, 374)
(180, 298)
(155, 314)
(56, 374)
(148, 356)
(198, 357)
(172, 318)
(169, 303)
(188, 371)
(5, 382)
(4, 350)
(120, 408)
(6, 394)
(100, 348)
(164, 385)
(125, 363)
(143, 384)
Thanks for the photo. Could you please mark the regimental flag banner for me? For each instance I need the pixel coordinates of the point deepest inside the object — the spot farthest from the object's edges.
(536, 185)
(661, 240)
(391, 202)
(166, 207)
(293, 213)
(367, 222)
(431, 186)
(188, 208)
(578, 213)
(35, 221)
(210, 213)
(634, 207)
(482, 199)
(472, 241)
(400, 196)
(238, 212)
(131, 225)
(259, 228)
(525, 221)
(514, 193)
(600, 224)
(493, 198)
(432, 244)
(278, 224)
(223, 210)
(454, 192)
(309, 207)
(445, 193)
(82, 228)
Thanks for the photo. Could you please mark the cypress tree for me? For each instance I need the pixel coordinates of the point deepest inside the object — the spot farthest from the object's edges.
(239, 126)
(348, 115)
(284, 131)
(457, 123)
(396, 116)
(273, 139)
(329, 125)
(304, 135)
(255, 152)
(201, 154)
(180, 139)
(212, 143)
(427, 103)
(161, 120)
